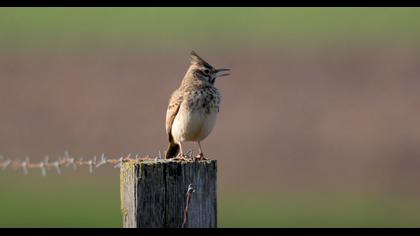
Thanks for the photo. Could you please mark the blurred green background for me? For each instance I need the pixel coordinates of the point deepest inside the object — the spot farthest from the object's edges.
(318, 126)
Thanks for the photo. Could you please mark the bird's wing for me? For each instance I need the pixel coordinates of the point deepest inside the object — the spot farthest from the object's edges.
(173, 107)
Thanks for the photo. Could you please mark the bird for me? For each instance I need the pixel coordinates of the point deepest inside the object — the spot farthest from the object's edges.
(193, 108)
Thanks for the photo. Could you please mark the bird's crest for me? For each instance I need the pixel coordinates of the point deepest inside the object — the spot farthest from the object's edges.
(196, 59)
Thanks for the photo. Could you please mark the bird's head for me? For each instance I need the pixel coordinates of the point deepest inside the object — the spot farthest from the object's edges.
(203, 71)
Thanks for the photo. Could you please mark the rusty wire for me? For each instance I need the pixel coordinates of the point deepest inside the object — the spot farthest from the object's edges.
(67, 161)
(190, 191)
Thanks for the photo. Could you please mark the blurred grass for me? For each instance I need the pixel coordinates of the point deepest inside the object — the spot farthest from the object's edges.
(93, 201)
(317, 209)
(217, 28)
(71, 200)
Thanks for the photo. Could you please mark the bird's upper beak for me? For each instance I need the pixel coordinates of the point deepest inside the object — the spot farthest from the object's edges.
(221, 72)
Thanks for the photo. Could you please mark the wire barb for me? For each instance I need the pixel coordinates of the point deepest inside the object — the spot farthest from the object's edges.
(43, 169)
(5, 164)
(25, 166)
(102, 161)
(118, 165)
(56, 164)
(91, 164)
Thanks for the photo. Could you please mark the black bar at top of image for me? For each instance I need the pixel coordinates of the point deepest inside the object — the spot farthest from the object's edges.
(206, 3)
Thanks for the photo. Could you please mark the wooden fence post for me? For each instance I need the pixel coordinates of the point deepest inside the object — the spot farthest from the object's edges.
(154, 194)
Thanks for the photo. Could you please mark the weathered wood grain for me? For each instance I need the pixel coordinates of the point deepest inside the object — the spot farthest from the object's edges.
(154, 194)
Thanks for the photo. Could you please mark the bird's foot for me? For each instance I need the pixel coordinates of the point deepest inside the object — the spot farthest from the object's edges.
(200, 157)
(181, 157)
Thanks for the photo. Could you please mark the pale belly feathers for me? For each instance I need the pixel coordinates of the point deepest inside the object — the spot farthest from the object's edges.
(193, 125)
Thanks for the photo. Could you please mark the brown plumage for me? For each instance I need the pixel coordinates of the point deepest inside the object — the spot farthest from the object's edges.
(193, 107)
(173, 107)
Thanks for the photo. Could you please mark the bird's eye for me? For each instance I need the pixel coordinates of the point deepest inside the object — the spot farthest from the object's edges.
(206, 71)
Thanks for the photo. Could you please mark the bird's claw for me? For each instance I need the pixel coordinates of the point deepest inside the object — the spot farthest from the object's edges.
(200, 157)
(181, 157)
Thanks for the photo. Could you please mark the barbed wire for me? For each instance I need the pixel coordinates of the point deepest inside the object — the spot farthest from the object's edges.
(67, 161)
(190, 191)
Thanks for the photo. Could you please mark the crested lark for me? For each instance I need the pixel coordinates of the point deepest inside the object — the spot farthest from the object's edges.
(193, 107)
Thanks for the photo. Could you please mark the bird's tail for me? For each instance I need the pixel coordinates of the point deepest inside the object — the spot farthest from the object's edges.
(172, 151)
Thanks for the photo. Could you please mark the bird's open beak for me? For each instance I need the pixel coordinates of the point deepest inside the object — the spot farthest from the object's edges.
(221, 72)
